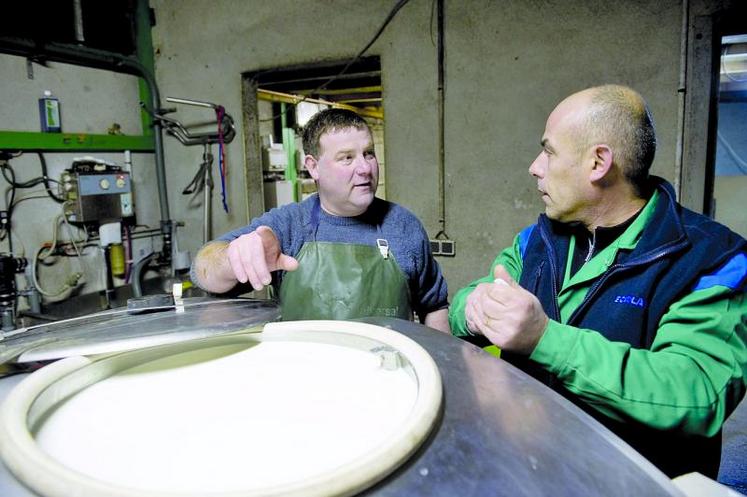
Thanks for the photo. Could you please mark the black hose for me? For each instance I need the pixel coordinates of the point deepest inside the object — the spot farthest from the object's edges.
(9, 202)
(5, 167)
(45, 180)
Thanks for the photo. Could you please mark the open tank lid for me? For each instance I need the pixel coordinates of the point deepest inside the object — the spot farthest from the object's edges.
(312, 408)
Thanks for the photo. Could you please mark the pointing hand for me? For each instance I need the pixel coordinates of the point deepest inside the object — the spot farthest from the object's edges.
(254, 255)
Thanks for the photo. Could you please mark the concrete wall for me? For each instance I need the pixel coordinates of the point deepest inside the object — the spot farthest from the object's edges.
(507, 64)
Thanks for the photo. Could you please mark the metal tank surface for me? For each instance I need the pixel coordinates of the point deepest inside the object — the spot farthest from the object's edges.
(499, 432)
(149, 322)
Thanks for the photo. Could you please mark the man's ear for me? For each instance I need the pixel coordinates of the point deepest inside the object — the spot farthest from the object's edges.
(312, 166)
(602, 157)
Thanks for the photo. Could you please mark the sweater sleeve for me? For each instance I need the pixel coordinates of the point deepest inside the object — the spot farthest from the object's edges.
(287, 222)
(691, 379)
(510, 258)
(430, 292)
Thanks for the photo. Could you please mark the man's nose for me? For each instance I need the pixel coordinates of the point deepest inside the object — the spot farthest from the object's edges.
(363, 166)
(535, 168)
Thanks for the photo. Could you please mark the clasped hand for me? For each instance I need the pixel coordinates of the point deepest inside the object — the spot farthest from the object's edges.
(254, 255)
(506, 314)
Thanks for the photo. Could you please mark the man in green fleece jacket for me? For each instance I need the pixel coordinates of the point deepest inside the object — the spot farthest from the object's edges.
(619, 298)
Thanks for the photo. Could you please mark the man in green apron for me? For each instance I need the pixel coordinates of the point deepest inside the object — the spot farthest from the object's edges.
(341, 253)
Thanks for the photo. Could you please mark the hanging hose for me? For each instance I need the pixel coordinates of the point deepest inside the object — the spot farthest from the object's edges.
(220, 114)
(198, 181)
(72, 279)
(70, 283)
(45, 179)
(128, 254)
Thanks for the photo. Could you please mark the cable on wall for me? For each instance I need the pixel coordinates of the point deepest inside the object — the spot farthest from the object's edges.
(389, 17)
(441, 126)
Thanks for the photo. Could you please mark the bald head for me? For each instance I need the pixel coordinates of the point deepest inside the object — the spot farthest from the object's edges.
(617, 116)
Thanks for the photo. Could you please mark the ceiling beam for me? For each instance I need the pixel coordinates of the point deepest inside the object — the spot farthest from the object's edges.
(276, 96)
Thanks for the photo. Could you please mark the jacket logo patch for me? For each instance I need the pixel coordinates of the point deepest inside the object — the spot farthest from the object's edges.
(630, 300)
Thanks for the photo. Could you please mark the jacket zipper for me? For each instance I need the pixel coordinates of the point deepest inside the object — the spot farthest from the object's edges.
(613, 269)
(553, 274)
(592, 244)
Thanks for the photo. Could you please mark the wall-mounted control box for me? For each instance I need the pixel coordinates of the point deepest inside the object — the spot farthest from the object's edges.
(96, 196)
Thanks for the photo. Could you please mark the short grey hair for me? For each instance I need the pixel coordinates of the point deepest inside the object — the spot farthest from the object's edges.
(620, 117)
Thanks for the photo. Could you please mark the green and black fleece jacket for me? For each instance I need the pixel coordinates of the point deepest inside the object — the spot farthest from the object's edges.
(649, 336)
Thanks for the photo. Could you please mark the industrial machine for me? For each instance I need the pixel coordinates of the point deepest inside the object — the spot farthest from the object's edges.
(98, 195)
(97, 192)
(9, 267)
(490, 429)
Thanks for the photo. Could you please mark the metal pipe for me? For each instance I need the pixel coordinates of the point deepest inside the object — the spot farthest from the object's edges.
(182, 133)
(137, 272)
(207, 158)
(33, 298)
(150, 80)
(108, 278)
(208, 210)
(78, 16)
(196, 103)
(8, 318)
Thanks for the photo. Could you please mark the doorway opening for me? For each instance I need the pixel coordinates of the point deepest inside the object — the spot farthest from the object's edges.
(277, 104)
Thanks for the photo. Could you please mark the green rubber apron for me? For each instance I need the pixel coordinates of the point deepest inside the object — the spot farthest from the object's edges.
(344, 281)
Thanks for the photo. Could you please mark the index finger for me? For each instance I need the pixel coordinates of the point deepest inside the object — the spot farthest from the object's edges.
(246, 255)
(254, 260)
(234, 259)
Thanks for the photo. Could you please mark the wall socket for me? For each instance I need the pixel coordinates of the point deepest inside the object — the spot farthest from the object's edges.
(445, 248)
